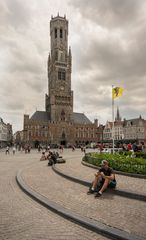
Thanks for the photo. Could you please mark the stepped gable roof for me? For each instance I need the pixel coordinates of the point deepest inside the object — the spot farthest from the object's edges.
(118, 123)
(133, 121)
(41, 116)
(108, 125)
(80, 118)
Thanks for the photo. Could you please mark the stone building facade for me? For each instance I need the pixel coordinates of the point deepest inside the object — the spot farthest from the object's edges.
(131, 130)
(6, 134)
(58, 124)
(134, 129)
(118, 129)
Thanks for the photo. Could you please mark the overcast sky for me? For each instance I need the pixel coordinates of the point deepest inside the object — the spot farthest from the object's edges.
(108, 43)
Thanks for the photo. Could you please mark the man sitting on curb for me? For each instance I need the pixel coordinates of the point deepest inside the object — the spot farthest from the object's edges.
(104, 178)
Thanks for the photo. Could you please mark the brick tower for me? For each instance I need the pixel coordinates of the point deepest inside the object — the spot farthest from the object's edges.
(59, 101)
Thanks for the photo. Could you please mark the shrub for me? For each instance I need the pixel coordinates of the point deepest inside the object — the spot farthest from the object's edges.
(125, 163)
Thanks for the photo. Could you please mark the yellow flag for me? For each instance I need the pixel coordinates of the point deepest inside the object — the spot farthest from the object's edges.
(117, 92)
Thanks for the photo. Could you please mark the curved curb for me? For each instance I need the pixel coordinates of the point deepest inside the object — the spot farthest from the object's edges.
(118, 172)
(120, 192)
(96, 226)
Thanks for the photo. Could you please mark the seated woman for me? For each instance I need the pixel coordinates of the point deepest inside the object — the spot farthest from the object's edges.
(43, 157)
(103, 178)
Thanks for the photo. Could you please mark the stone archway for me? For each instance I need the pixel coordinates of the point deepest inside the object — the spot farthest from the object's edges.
(63, 139)
(36, 143)
(63, 142)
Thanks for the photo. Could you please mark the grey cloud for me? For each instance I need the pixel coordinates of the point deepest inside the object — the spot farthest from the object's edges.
(36, 83)
(110, 57)
(108, 47)
(14, 105)
(23, 62)
(15, 13)
(109, 13)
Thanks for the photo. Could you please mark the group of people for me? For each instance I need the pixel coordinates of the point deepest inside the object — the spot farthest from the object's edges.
(8, 150)
(83, 149)
(51, 157)
(104, 177)
(133, 147)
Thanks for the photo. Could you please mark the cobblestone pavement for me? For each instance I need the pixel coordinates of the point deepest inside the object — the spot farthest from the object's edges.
(75, 168)
(21, 218)
(125, 214)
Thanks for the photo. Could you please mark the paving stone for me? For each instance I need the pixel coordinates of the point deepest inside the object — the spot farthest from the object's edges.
(21, 218)
(74, 167)
(126, 214)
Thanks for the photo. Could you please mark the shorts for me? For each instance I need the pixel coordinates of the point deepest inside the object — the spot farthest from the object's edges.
(112, 183)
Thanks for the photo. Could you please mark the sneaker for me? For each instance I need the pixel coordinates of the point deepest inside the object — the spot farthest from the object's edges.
(90, 191)
(98, 195)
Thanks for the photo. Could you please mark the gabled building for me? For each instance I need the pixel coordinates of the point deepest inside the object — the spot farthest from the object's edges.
(107, 131)
(134, 129)
(118, 129)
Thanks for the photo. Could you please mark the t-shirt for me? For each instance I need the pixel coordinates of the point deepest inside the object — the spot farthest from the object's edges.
(107, 172)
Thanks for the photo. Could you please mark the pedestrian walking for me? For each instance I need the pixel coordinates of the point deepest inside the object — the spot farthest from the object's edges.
(7, 150)
(14, 150)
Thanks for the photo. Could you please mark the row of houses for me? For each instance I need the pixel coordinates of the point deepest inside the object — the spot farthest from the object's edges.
(6, 135)
(131, 130)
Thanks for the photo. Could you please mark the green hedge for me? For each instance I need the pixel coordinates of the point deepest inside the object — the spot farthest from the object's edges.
(118, 162)
(136, 154)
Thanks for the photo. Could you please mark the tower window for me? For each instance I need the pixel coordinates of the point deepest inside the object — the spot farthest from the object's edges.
(61, 56)
(62, 115)
(61, 33)
(56, 55)
(55, 32)
(61, 75)
(65, 34)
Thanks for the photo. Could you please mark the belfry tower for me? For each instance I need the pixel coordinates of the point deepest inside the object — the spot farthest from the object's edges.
(59, 100)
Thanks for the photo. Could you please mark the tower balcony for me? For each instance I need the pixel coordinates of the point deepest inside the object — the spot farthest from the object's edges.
(61, 64)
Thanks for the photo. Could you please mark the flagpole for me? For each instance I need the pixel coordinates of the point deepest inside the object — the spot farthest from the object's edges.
(113, 129)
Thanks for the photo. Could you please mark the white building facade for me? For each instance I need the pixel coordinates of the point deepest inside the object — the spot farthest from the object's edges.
(5, 133)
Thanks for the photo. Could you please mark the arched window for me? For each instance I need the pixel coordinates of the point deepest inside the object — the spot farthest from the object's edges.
(61, 33)
(56, 55)
(55, 32)
(63, 135)
(62, 115)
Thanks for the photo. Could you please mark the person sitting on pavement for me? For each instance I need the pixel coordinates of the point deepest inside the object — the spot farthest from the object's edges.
(103, 178)
(43, 157)
(52, 158)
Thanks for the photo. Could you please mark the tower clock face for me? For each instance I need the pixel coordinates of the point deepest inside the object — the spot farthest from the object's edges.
(61, 88)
